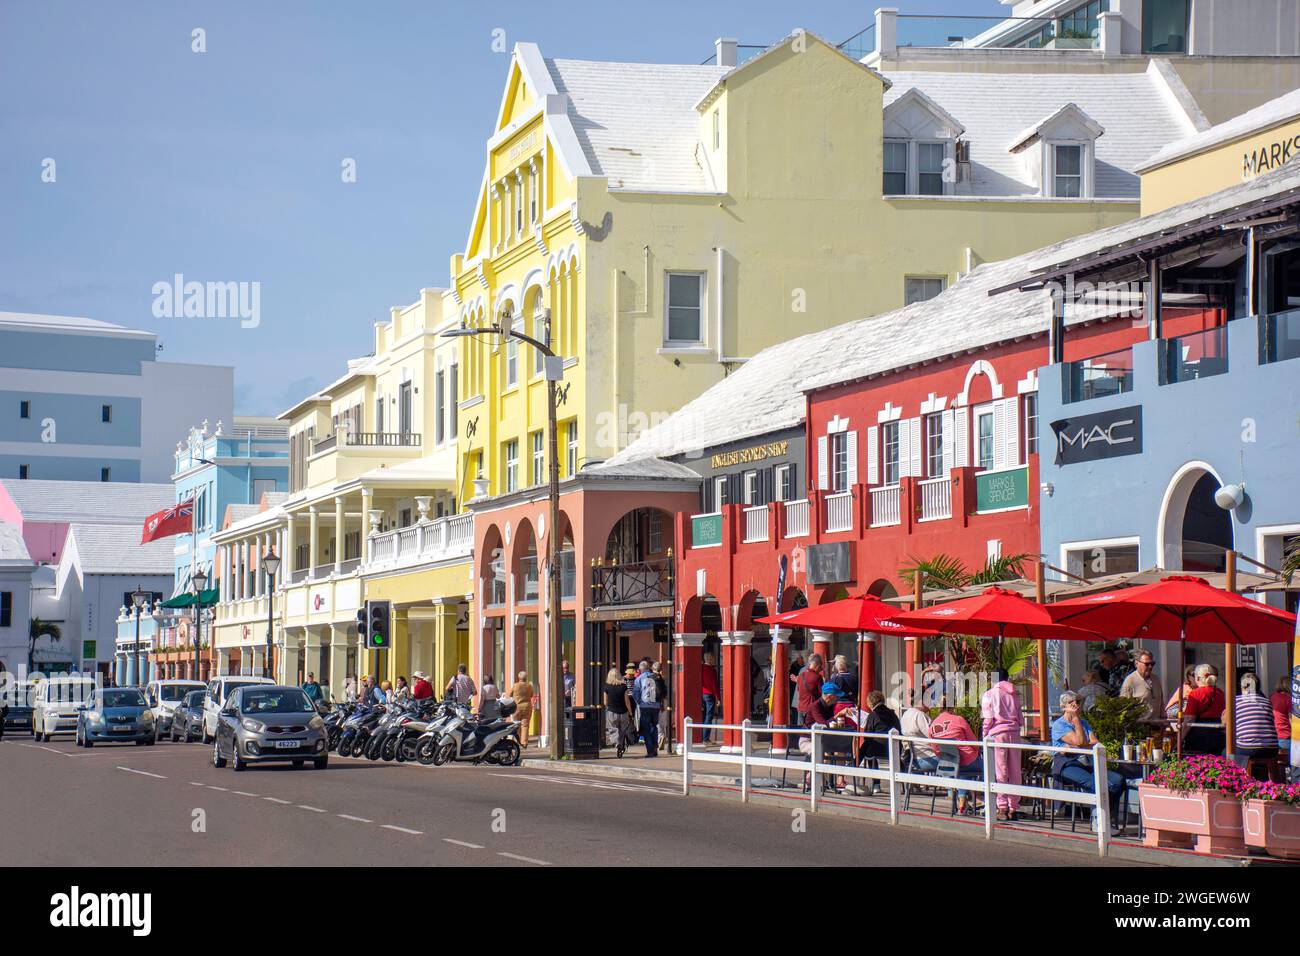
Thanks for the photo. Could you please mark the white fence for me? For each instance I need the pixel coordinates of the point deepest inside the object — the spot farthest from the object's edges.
(796, 518)
(839, 511)
(892, 775)
(936, 498)
(885, 509)
(756, 523)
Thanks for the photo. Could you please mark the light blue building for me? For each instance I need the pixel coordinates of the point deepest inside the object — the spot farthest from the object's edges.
(85, 400)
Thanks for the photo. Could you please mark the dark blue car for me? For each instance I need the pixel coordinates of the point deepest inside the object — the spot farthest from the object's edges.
(115, 714)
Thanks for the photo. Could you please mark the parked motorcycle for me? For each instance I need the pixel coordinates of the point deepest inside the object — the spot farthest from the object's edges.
(356, 730)
(486, 737)
(426, 745)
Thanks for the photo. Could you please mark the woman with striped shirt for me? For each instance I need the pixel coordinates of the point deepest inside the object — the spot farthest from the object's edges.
(1253, 732)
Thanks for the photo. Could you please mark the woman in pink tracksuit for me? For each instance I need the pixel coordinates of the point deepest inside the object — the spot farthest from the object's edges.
(1000, 709)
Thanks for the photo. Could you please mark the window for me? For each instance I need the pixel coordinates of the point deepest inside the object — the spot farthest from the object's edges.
(920, 288)
(542, 332)
(512, 356)
(719, 492)
(403, 518)
(895, 168)
(572, 455)
(685, 308)
(6, 608)
(751, 487)
(929, 169)
(1067, 179)
(351, 545)
(379, 414)
(106, 474)
(784, 483)
(539, 459)
(934, 445)
(1031, 424)
(840, 461)
(984, 438)
(656, 544)
(106, 413)
(1164, 26)
(24, 409)
(404, 408)
(890, 452)
(439, 401)
(717, 130)
(453, 391)
(24, 471)
(512, 465)
(1081, 22)
(1100, 558)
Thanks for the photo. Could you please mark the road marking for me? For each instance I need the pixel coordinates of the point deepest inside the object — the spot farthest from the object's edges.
(303, 806)
(214, 787)
(389, 826)
(143, 773)
(348, 816)
(525, 859)
(61, 753)
(196, 783)
(598, 785)
(243, 793)
(278, 800)
(472, 846)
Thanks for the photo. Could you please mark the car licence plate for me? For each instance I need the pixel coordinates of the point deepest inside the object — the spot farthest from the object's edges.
(287, 744)
(120, 730)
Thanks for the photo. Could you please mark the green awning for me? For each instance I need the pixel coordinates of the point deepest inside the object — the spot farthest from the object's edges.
(208, 599)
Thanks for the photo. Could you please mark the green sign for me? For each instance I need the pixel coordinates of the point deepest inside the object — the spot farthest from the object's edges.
(996, 490)
(87, 649)
(706, 530)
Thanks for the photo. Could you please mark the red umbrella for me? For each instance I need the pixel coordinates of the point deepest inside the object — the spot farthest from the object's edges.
(1179, 608)
(996, 612)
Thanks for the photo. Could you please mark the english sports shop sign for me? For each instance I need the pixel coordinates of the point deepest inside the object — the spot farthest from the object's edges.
(1000, 490)
(1111, 434)
(743, 456)
(706, 530)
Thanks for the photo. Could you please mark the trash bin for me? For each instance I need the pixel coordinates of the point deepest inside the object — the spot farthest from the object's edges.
(582, 732)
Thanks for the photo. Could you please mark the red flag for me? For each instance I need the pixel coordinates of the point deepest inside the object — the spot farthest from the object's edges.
(174, 520)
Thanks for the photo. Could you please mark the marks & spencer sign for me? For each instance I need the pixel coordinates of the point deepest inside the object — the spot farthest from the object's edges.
(1109, 434)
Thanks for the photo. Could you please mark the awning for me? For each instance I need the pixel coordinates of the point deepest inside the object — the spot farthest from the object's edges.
(208, 598)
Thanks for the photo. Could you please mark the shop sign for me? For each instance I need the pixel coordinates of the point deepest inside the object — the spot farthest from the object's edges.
(635, 613)
(1256, 162)
(1109, 434)
(706, 530)
(744, 456)
(999, 490)
(830, 563)
(88, 649)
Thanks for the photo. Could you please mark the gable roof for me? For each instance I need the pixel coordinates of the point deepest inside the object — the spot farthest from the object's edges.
(1263, 117)
(116, 549)
(915, 94)
(12, 546)
(1070, 111)
(106, 502)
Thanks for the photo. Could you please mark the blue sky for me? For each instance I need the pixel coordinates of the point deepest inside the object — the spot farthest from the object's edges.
(225, 165)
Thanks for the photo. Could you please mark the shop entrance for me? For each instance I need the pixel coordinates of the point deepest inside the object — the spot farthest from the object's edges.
(1195, 533)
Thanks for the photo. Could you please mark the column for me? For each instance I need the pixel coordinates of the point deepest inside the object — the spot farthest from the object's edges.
(688, 659)
(398, 658)
(445, 652)
(119, 670)
(289, 556)
(286, 664)
(366, 496)
(868, 679)
(742, 685)
(311, 650)
(338, 534)
(337, 677)
(822, 646)
(780, 684)
(314, 539)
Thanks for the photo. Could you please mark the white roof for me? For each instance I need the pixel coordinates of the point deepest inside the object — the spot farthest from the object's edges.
(116, 549)
(12, 546)
(103, 502)
(1262, 117)
(66, 323)
(636, 122)
(1136, 110)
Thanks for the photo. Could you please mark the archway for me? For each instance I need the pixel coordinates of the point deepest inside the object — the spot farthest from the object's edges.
(1195, 534)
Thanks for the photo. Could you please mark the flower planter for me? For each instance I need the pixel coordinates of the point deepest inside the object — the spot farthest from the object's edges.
(1207, 820)
(1272, 826)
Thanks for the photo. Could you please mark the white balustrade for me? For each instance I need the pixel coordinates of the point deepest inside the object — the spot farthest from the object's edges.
(936, 498)
(796, 518)
(436, 540)
(756, 523)
(839, 511)
(885, 508)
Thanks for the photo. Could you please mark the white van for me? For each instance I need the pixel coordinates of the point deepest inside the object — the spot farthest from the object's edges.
(58, 701)
(219, 689)
(164, 697)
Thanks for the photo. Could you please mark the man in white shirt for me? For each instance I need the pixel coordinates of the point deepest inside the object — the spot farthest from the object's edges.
(916, 723)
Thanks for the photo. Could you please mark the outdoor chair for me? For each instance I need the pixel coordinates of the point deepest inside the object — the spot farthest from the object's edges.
(1056, 783)
(948, 767)
(791, 750)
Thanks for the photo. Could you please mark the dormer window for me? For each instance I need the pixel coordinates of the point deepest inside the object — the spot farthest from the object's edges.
(1060, 153)
(920, 146)
(1067, 170)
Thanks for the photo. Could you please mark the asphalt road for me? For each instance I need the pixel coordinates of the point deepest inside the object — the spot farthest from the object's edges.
(162, 805)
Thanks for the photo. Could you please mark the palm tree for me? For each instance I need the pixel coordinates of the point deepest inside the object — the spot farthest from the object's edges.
(1290, 559)
(36, 629)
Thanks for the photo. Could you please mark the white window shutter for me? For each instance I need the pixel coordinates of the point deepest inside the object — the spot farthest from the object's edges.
(961, 435)
(946, 443)
(915, 470)
(999, 458)
(823, 479)
(1011, 431)
(873, 455)
(851, 456)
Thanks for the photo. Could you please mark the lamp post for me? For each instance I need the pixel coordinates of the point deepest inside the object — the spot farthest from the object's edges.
(138, 597)
(200, 581)
(554, 367)
(271, 565)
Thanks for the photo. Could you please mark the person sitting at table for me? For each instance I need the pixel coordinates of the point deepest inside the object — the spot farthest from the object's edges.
(1253, 733)
(1204, 705)
(950, 725)
(1092, 687)
(1189, 685)
(1280, 702)
(1072, 729)
(916, 723)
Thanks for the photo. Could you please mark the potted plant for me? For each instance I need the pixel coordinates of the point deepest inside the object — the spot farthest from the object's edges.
(1195, 801)
(1115, 720)
(1271, 818)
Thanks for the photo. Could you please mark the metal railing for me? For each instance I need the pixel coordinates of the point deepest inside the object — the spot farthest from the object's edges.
(756, 523)
(1099, 375)
(893, 774)
(1280, 333)
(528, 580)
(1197, 355)
(936, 498)
(796, 518)
(451, 536)
(886, 506)
(839, 511)
(635, 583)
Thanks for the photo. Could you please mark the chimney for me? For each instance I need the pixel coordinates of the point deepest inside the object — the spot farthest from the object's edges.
(726, 50)
(887, 31)
(1111, 28)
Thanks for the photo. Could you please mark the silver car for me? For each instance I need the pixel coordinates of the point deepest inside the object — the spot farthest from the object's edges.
(261, 723)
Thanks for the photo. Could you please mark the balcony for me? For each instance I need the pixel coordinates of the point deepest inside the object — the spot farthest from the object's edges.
(1108, 374)
(494, 592)
(437, 540)
(1280, 336)
(839, 511)
(367, 440)
(640, 582)
(527, 582)
(796, 518)
(1194, 356)
(886, 506)
(756, 523)
(936, 498)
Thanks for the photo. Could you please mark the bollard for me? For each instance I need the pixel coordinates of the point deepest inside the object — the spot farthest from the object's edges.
(687, 735)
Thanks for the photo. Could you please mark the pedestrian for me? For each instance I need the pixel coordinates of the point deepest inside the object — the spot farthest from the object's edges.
(810, 683)
(1253, 732)
(665, 711)
(1000, 708)
(312, 689)
(570, 683)
(843, 678)
(350, 690)
(422, 690)
(401, 691)
(461, 686)
(1281, 704)
(634, 710)
(385, 695)
(617, 708)
(709, 692)
(488, 691)
(1144, 685)
(648, 703)
(522, 693)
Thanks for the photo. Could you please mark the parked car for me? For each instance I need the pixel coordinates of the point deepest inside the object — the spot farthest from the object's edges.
(219, 689)
(119, 714)
(19, 697)
(269, 722)
(58, 704)
(164, 696)
(187, 718)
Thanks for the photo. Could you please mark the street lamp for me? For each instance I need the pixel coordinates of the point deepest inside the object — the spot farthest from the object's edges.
(138, 597)
(271, 565)
(554, 367)
(200, 581)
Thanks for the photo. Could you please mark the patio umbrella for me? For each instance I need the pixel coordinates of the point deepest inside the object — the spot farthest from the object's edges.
(1178, 608)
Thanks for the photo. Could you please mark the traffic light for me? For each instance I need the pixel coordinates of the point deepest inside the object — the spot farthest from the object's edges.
(377, 633)
(363, 615)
